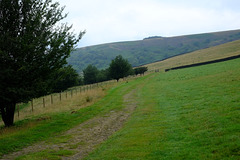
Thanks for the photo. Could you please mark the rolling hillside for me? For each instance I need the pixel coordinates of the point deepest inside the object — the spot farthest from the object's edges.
(148, 50)
(203, 55)
(190, 113)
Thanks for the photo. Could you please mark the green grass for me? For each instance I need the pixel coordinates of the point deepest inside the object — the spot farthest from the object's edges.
(46, 154)
(184, 114)
(31, 130)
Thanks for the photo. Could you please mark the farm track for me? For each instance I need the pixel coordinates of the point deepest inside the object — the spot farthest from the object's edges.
(85, 137)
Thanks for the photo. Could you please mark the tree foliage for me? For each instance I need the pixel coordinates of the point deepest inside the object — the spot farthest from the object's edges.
(65, 78)
(140, 70)
(120, 68)
(103, 75)
(90, 74)
(32, 48)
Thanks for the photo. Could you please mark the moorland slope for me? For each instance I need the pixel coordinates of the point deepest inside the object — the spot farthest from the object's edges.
(199, 56)
(148, 50)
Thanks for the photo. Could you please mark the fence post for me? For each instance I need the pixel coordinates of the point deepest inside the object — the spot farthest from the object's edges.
(43, 102)
(32, 104)
(18, 109)
(60, 96)
(71, 93)
(51, 99)
(66, 94)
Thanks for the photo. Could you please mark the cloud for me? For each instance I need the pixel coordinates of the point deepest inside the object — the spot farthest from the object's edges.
(114, 20)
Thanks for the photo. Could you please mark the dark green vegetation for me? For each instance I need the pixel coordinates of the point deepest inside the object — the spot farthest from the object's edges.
(93, 75)
(32, 49)
(65, 78)
(120, 68)
(148, 50)
(90, 74)
(184, 114)
(140, 70)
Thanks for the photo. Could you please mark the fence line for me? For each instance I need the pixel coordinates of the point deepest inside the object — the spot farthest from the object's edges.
(48, 100)
(54, 98)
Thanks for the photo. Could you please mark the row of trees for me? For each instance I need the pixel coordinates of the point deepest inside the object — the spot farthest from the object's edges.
(67, 77)
(118, 68)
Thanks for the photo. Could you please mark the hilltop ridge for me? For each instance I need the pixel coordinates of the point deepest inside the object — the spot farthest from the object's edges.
(149, 50)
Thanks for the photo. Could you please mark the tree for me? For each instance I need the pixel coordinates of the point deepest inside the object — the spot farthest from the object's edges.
(103, 75)
(32, 47)
(90, 74)
(120, 68)
(140, 70)
(65, 78)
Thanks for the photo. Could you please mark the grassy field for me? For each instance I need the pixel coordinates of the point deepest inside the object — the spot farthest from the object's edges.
(212, 53)
(183, 114)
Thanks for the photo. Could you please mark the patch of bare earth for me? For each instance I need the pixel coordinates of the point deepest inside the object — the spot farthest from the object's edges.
(85, 137)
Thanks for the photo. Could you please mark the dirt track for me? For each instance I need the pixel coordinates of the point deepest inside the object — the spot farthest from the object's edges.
(85, 137)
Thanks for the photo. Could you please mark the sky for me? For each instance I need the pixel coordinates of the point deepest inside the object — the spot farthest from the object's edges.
(107, 21)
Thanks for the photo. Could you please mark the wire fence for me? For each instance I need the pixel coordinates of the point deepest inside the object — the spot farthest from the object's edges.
(47, 103)
(56, 98)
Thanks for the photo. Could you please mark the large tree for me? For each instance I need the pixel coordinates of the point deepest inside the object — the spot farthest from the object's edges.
(120, 68)
(33, 45)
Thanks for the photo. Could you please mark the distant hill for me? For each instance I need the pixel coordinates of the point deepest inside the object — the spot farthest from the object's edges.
(209, 54)
(148, 50)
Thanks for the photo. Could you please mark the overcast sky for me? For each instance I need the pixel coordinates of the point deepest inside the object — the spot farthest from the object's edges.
(124, 20)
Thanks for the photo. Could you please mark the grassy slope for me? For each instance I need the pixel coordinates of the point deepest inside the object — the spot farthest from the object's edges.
(29, 131)
(213, 53)
(149, 50)
(184, 114)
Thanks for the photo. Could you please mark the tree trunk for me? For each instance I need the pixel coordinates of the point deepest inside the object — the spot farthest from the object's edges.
(8, 114)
